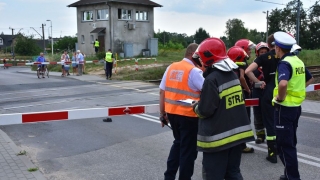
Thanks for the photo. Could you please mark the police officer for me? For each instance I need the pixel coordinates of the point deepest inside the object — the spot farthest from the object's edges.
(109, 64)
(182, 80)
(268, 62)
(96, 45)
(288, 94)
(223, 122)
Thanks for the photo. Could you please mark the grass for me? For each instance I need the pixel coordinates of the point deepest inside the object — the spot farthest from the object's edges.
(33, 169)
(22, 153)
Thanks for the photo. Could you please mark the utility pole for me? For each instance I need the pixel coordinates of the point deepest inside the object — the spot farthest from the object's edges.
(298, 22)
(267, 26)
(44, 42)
(12, 45)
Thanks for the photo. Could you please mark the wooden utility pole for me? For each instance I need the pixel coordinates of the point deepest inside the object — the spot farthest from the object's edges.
(298, 22)
(44, 42)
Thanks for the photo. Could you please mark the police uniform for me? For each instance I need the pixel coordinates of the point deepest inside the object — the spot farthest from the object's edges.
(268, 62)
(96, 46)
(182, 80)
(288, 107)
(109, 64)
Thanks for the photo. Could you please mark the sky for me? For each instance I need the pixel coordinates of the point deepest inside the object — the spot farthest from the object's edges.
(180, 16)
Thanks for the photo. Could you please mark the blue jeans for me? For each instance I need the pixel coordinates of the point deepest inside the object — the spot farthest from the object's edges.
(183, 152)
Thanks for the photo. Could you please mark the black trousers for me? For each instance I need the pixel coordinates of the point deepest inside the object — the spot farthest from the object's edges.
(286, 124)
(258, 122)
(268, 111)
(109, 66)
(183, 152)
(223, 164)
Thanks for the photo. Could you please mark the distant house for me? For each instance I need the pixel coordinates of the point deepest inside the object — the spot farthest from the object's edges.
(6, 41)
(125, 26)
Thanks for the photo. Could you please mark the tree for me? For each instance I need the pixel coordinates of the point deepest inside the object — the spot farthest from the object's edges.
(201, 35)
(235, 30)
(256, 36)
(25, 45)
(66, 43)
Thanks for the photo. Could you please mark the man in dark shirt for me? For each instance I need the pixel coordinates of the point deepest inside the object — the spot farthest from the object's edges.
(268, 62)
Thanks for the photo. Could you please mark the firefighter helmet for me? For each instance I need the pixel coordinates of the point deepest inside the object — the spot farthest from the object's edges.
(237, 54)
(245, 44)
(260, 46)
(211, 50)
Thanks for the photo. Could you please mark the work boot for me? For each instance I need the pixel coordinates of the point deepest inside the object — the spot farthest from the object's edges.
(247, 149)
(272, 151)
(261, 136)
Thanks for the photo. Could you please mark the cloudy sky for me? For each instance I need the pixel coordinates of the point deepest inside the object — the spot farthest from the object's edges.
(181, 16)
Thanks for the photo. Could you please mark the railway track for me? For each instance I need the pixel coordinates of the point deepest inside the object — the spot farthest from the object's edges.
(314, 70)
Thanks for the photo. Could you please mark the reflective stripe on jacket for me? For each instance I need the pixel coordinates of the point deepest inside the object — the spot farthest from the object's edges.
(177, 88)
(109, 57)
(223, 120)
(296, 88)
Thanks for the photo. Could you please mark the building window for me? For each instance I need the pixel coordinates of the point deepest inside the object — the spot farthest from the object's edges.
(124, 14)
(82, 39)
(103, 14)
(92, 39)
(87, 16)
(1, 41)
(142, 16)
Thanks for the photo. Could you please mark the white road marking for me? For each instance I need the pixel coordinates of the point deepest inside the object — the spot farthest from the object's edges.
(250, 144)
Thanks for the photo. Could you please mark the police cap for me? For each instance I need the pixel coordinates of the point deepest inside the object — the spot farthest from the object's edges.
(284, 40)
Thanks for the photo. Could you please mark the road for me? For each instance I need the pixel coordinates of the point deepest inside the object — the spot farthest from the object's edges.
(131, 147)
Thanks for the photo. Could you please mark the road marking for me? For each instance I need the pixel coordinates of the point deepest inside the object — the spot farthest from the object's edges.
(250, 144)
(129, 88)
(16, 107)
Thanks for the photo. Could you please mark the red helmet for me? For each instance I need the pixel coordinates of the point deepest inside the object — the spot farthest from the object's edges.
(260, 46)
(245, 44)
(237, 54)
(211, 50)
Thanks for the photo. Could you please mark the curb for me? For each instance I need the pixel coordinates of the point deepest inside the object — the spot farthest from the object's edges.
(37, 174)
(310, 114)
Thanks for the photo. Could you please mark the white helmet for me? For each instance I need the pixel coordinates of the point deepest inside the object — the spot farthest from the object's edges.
(295, 47)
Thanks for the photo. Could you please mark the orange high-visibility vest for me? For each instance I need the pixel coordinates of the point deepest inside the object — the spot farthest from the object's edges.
(177, 88)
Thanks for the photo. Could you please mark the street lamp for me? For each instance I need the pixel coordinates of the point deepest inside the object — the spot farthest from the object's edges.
(51, 37)
(267, 24)
(12, 45)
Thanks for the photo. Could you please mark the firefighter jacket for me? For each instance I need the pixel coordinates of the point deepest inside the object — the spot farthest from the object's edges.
(223, 120)
(177, 89)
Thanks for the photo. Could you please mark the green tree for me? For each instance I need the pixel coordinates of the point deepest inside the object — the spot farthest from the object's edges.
(26, 45)
(65, 43)
(201, 35)
(235, 30)
(256, 36)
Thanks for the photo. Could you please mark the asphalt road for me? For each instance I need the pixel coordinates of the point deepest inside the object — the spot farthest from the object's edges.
(129, 148)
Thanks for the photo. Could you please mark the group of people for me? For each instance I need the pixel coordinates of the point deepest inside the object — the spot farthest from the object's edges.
(77, 62)
(217, 122)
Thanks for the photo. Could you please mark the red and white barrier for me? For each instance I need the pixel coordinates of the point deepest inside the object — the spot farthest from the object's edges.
(20, 118)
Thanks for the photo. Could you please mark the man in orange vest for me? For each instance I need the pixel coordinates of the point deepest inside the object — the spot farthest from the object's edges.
(182, 80)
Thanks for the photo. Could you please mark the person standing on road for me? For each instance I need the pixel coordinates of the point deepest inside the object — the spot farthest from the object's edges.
(109, 64)
(80, 59)
(65, 58)
(288, 96)
(96, 46)
(223, 121)
(246, 45)
(182, 80)
(268, 62)
(257, 92)
(74, 63)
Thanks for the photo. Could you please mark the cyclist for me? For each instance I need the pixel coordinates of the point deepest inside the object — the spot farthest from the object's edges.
(41, 59)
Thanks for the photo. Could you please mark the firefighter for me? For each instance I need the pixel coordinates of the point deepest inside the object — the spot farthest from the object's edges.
(247, 46)
(268, 62)
(261, 49)
(223, 122)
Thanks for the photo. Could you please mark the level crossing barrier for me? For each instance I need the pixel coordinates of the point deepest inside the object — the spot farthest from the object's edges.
(33, 117)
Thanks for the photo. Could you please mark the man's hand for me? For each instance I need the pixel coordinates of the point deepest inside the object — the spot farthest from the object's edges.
(164, 119)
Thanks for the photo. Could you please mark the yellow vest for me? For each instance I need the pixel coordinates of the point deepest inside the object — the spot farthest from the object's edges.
(296, 88)
(96, 44)
(108, 57)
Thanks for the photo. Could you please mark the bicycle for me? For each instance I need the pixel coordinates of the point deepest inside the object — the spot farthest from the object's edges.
(42, 71)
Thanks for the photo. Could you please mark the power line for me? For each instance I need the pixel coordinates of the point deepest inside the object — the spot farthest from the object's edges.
(270, 2)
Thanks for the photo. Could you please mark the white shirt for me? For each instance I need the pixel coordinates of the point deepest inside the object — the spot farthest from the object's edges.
(195, 79)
